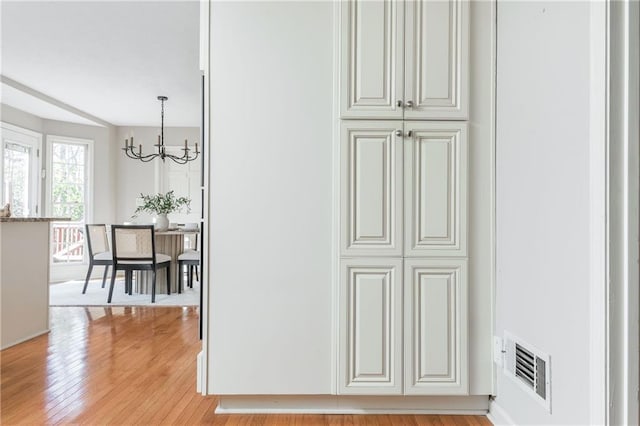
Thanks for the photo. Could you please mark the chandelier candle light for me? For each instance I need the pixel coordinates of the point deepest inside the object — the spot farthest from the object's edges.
(129, 150)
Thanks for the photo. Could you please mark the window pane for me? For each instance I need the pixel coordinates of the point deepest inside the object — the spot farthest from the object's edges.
(17, 160)
(68, 199)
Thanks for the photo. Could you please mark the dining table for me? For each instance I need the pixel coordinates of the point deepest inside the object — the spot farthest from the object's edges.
(171, 243)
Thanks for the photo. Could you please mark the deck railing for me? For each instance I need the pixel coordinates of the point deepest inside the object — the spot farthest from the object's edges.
(67, 242)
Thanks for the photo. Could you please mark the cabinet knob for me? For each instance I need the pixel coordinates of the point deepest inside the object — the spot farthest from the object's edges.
(399, 103)
(409, 133)
(409, 104)
(398, 132)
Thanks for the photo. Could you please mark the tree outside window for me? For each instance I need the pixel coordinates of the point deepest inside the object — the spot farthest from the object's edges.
(68, 199)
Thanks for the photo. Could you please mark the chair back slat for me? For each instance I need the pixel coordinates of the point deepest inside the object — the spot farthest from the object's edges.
(133, 242)
(191, 241)
(97, 240)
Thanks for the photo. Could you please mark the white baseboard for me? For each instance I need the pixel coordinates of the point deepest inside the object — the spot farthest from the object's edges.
(332, 404)
(63, 272)
(199, 372)
(498, 416)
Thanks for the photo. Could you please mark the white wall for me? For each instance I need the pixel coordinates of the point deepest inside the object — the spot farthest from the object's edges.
(270, 198)
(20, 118)
(543, 244)
(135, 177)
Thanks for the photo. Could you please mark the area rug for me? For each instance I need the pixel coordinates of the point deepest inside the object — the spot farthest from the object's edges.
(70, 294)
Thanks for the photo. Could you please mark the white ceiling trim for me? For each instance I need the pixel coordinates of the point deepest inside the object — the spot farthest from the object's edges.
(49, 111)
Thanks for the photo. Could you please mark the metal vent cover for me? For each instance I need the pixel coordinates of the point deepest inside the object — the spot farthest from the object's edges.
(529, 368)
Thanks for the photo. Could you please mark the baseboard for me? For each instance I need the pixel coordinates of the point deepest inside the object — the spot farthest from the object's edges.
(498, 415)
(199, 372)
(332, 404)
(67, 272)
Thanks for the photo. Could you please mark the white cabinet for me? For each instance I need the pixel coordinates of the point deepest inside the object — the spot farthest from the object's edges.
(435, 169)
(372, 45)
(435, 324)
(371, 180)
(433, 200)
(429, 328)
(403, 203)
(371, 327)
(404, 59)
(436, 59)
(428, 189)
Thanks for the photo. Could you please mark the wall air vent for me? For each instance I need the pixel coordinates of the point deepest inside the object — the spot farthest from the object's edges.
(529, 368)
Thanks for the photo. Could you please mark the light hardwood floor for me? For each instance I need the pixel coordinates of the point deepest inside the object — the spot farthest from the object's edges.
(133, 365)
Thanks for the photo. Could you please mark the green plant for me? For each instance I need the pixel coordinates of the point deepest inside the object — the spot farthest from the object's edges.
(162, 203)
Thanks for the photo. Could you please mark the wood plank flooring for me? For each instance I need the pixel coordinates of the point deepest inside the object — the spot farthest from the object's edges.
(133, 365)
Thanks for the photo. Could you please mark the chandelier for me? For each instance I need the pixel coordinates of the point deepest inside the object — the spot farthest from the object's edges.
(131, 152)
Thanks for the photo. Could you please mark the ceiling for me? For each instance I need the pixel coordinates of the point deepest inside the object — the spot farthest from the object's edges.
(38, 107)
(108, 59)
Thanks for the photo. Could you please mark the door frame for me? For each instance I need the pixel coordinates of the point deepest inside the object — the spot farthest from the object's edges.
(622, 293)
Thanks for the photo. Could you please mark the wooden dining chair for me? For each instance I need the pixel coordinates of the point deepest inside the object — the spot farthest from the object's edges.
(134, 249)
(99, 252)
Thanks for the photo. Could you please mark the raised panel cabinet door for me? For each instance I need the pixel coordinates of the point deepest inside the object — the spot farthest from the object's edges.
(371, 188)
(435, 168)
(370, 327)
(436, 341)
(371, 46)
(436, 59)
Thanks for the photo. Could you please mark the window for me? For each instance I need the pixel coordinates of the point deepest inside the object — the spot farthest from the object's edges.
(69, 183)
(20, 170)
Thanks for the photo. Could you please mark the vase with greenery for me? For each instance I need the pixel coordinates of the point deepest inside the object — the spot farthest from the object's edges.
(161, 205)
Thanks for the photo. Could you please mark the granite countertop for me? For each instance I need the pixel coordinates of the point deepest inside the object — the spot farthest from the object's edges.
(34, 219)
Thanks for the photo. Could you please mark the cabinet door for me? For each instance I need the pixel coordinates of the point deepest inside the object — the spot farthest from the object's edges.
(436, 59)
(436, 359)
(435, 169)
(371, 187)
(371, 327)
(371, 58)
